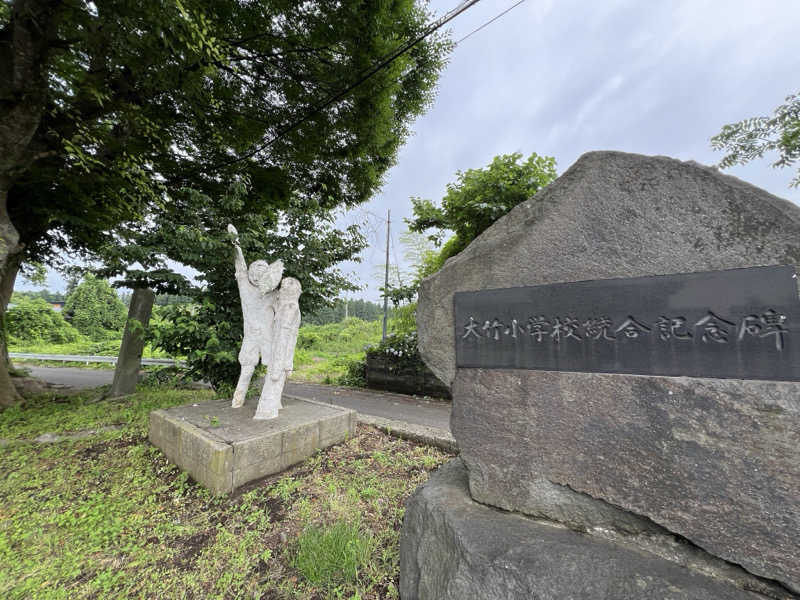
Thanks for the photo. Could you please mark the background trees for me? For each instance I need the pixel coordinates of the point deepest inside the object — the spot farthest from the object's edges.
(109, 111)
(342, 308)
(94, 309)
(33, 320)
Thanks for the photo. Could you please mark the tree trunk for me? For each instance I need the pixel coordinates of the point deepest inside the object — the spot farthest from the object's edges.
(10, 257)
(25, 47)
(129, 361)
(6, 289)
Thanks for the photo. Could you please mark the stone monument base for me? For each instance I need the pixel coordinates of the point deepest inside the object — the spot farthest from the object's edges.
(452, 547)
(223, 448)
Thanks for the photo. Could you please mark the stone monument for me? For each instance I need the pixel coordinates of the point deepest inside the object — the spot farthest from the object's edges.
(624, 356)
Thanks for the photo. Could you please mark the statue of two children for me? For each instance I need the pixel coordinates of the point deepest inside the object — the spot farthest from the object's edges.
(271, 321)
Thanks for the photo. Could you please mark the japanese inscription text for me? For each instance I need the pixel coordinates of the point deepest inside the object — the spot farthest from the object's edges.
(741, 323)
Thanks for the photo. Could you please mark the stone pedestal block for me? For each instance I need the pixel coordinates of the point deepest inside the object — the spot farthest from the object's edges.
(453, 548)
(223, 447)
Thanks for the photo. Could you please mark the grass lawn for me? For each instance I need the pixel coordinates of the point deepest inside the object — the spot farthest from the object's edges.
(107, 516)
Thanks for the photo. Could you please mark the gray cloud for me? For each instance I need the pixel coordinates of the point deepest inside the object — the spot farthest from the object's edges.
(563, 78)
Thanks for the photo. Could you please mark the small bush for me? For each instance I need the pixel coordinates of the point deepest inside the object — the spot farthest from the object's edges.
(307, 339)
(333, 555)
(194, 331)
(400, 351)
(355, 374)
(169, 377)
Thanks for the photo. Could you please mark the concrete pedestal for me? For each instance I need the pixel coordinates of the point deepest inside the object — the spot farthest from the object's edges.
(223, 448)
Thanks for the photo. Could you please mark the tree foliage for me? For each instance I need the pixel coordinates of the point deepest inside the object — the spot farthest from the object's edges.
(752, 138)
(143, 98)
(473, 202)
(110, 111)
(94, 309)
(479, 197)
(44, 294)
(33, 320)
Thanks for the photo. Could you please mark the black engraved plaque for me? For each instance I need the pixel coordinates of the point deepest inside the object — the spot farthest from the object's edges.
(741, 323)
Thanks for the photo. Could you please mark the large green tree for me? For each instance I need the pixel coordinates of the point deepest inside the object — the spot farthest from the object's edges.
(94, 309)
(479, 197)
(752, 138)
(475, 200)
(109, 109)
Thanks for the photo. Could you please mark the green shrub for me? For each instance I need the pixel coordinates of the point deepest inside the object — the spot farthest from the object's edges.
(333, 555)
(355, 374)
(194, 331)
(307, 338)
(404, 319)
(168, 377)
(33, 320)
(95, 310)
(400, 351)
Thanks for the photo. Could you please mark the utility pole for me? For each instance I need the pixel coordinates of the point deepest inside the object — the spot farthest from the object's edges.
(386, 279)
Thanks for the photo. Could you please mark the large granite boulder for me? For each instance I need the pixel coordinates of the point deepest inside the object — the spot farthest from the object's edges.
(612, 214)
(452, 547)
(714, 461)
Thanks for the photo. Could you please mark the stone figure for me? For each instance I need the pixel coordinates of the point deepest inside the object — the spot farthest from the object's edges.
(284, 339)
(257, 290)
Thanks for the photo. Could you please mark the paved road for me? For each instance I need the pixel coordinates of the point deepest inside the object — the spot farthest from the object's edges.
(411, 409)
(73, 376)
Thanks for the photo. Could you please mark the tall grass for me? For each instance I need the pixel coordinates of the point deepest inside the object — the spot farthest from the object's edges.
(324, 351)
(334, 554)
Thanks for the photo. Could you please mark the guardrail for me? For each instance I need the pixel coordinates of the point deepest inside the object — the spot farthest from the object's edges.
(89, 359)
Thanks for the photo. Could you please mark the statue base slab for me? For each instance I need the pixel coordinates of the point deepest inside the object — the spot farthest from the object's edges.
(222, 448)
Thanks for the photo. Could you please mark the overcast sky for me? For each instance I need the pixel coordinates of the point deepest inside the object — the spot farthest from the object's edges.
(564, 77)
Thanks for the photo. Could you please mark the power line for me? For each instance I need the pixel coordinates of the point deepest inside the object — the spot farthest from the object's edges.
(333, 98)
(489, 22)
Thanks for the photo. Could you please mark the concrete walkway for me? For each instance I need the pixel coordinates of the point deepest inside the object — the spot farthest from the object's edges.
(411, 409)
(414, 417)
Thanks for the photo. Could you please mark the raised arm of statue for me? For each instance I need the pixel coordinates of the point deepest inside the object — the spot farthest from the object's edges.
(238, 258)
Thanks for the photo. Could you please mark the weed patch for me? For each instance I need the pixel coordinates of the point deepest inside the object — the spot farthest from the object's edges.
(108, 516)
(333, 555)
